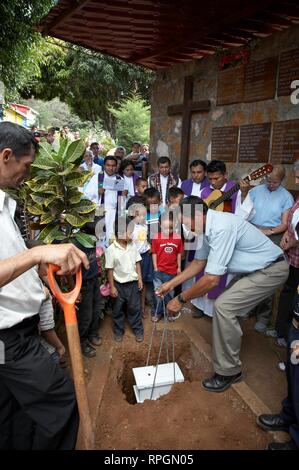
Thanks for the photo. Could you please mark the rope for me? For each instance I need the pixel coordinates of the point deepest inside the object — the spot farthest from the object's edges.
(164, 334)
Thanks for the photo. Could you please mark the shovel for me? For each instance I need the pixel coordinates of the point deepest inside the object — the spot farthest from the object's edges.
(67, 301)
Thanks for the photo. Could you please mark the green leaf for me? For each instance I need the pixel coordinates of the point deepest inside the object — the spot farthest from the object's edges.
(34, 184)
(62, 149)
(35, 210)
(84, 207)
(88, 241)
(74, 196)
(47, 218)
(67, 170)
(74, 151)
(77, 178)
(44, 163)
(60, 237)
(76, 220)
(45, 151)
(42, 198)
(48, 233)
(47, 188)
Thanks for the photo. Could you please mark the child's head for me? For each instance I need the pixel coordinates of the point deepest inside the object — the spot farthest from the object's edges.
(141, 185)
(123, 229)
(164, 165)
(152, 200)
(144, 149)
(127, 168)
(136, 147)
(175, 196)
(136, 209)
(166, 223)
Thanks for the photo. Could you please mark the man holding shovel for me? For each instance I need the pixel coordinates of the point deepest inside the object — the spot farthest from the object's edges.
(29, 381)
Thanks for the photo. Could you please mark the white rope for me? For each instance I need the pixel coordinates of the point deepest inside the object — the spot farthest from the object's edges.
(164, 334)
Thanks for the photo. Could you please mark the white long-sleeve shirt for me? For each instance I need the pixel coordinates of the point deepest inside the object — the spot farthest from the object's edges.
(22, 297)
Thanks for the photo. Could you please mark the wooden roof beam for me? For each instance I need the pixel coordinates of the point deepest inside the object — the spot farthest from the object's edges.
(76, 5)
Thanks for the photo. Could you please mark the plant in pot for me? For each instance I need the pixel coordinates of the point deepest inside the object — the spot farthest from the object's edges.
(54, 197)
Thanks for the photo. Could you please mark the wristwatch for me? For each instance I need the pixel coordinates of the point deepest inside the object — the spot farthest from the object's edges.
(181, 300)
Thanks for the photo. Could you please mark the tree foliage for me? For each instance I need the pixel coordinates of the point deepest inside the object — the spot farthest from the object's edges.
(90, 83)
(21, 47)
(132, 120)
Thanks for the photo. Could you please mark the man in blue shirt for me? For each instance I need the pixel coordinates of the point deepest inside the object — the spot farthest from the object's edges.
(229, 245)
(271, 202)
(97, 158)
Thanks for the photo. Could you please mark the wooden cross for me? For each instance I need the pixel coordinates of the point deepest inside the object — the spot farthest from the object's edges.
(186, 109)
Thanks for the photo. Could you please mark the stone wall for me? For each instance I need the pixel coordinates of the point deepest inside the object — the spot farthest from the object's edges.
(168, 90)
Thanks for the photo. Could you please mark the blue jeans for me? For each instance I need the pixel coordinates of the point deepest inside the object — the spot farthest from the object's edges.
(158, 279)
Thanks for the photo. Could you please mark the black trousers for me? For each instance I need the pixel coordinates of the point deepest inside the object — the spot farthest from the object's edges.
(128, 299)
(89, 309)
(290, 405)
(285, 305)
(38, 408)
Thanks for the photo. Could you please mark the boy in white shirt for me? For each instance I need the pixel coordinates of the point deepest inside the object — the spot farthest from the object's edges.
(137, 210)
(125, 279)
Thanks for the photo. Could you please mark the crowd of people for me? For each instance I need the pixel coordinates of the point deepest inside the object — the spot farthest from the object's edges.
(158, 243)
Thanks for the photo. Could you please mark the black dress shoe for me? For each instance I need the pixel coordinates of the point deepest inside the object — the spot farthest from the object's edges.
(95, 340)
(197, 313)
(88, 350)
(290, 445)
(272, 423)
(219, 383)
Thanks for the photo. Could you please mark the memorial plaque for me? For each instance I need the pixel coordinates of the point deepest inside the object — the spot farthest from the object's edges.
(254, 143)
(225, 143)
(260, 80)
(230, 86)
(285, 142)
(288, 71)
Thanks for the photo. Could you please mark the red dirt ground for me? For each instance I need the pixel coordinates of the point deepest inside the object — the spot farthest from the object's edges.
(186, 418)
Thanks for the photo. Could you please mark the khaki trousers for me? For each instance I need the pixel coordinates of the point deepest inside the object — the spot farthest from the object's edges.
(239, 298)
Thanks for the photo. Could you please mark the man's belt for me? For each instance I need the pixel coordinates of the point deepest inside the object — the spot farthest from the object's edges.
(279, 259)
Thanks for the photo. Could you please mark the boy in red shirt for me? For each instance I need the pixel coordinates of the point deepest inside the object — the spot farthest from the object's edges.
(167, 249)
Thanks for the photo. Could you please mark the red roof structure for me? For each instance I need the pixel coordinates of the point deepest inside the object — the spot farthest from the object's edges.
(160, 33)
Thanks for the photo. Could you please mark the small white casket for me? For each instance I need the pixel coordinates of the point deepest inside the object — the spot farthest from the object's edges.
(166, 375)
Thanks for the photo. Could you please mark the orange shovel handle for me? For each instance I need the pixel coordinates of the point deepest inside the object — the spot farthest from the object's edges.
(67, 299)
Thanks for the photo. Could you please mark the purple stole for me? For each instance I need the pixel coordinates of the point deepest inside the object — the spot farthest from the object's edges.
(187, 185)
(214, 293)
(135, 178)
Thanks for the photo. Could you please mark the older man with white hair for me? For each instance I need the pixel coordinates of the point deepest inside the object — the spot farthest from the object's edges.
(89, 164)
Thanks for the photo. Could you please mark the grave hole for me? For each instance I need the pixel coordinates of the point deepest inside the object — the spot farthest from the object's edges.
(186, 355)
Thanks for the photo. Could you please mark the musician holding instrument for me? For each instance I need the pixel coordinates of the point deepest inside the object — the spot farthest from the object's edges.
(237, 203)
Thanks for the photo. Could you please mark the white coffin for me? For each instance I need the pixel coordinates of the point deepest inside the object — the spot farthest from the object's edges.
(165, 377)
